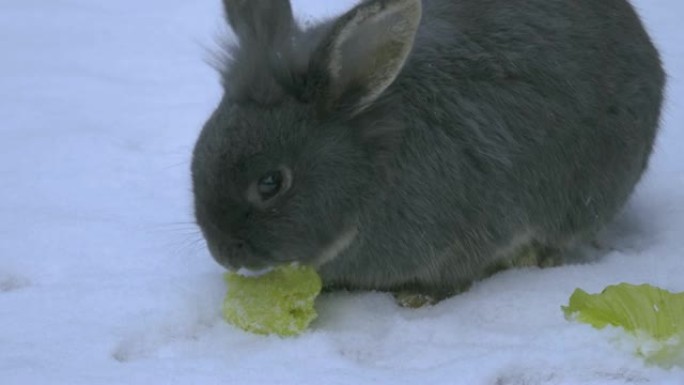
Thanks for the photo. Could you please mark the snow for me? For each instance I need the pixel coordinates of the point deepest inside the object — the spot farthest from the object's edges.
(104, 278)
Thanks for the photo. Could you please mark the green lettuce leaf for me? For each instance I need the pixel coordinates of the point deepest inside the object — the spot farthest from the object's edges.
(653, 317)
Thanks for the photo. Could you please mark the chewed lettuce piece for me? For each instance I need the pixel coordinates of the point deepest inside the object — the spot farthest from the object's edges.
(653, 317)
(280, 301)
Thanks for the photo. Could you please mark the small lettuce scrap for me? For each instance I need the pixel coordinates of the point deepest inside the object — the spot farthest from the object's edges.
(279, 302)
(652, 316)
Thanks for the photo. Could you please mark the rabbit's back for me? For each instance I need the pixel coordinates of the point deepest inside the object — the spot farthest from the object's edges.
(522, 121)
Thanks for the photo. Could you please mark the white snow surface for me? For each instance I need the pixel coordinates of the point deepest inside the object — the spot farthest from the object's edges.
(104, 279)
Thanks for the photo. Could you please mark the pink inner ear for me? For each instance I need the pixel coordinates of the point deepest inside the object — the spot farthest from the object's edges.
(365, 51)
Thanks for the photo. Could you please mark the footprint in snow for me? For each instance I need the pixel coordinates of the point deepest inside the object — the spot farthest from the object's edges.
(159, 341)
(10, 282)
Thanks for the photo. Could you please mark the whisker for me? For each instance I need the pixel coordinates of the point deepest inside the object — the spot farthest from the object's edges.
(175, 165)
(188, 245)
(175, 227)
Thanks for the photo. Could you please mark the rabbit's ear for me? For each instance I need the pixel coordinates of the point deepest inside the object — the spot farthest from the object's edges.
(260, 21)
(363, 54)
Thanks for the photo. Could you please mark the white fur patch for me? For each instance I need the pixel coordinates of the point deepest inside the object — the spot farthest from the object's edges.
(253, 273)
(338, 246)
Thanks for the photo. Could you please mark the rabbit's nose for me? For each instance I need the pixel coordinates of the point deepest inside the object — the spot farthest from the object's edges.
(236, 253)
(239, 244)
(223, 250)
(220, 256)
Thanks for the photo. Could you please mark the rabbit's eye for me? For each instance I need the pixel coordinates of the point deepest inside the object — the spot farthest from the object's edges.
(263, 191)
(270, 185)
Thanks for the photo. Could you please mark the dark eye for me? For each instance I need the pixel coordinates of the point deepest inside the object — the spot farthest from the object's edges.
(262, 192)
(270, 185)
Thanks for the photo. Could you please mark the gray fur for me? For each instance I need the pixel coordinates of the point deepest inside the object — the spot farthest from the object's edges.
(511, 124)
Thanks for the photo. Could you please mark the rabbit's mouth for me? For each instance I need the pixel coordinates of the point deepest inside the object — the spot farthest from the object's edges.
(238, 255)
(242, 255)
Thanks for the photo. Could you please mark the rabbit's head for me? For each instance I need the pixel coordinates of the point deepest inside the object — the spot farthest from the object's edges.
(283, 167)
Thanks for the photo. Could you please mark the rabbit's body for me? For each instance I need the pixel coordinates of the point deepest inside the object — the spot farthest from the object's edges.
(505, 124)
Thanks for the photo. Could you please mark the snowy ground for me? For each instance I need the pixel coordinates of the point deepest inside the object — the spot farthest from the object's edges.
(104, 279)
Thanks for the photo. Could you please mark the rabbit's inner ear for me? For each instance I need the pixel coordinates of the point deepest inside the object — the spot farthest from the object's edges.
(364, 52)
(260, 21)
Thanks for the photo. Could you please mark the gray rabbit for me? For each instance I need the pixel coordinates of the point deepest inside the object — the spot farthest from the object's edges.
(411, 146)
